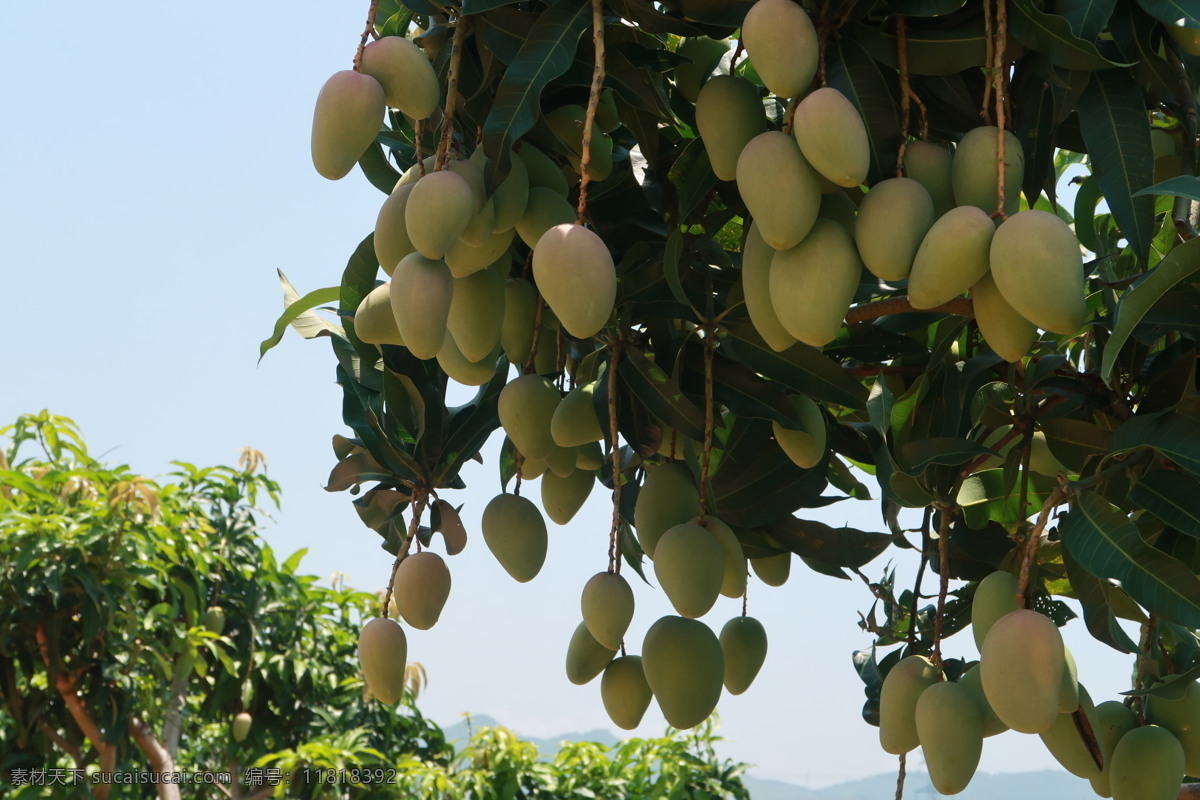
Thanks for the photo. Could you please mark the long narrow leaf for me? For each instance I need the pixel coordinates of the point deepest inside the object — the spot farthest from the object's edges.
(298, 312)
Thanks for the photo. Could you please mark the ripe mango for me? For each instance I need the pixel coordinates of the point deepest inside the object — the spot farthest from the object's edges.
(421, 291)
(391, 232)
(733, 581)
(902, 687)
(1113, 720)
(778, 186)
(575, 273)
(1008, 333)
(729, 113)
(773, 570)
(684, 668)
(992, 724)
(1021, 667)
(520, 308)
(405, 73)
(525, 407)
(1038, 268)
(463, 259)
(813, 284)
(974, 171)
(515, 532)
(995, 596)
(477, 313)
(930, 165)
(479, 230)
(461, 370)
(563, 496)
(383, 654)
(561, 462)
(690, 567)
(374, 322)
(667, 498)
(346, 121)
(756, 277)
(511, 196)
(893, 221)
(241, 726)
(439, 209)
(1065, 743)
(1182, 718)
(832, 137)
(1147, 764)
(805, 447)
(420, 585)
(542, 171)
(744, 647)
(781, 41)
(575, 422)
(589, 456)
(546, 209)
(586, 658)
(950, 730)
(704, 53)
(607, 605)
(952, 257)
(625, 693)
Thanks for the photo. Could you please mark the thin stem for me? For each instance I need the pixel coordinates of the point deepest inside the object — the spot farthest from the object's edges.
(959, 306)
(947, 516)
(913, 620)
(1031, 545)
(367, 31)
(456, 51)
(745, 598)
(419, 500)
(613, 433)
(589, 119)
(989, 59)
(417, 131)
(900, 773)
(905, 90)
(709, 414)
(537, 335)
(1000, 77)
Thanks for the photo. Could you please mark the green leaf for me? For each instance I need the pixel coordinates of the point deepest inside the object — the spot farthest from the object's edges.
(1170, 496)
(1133, 305)
(832, 547)
(298, 312)
(1168, 690)
(984, 496)
(800, 368)
(926, 8)
(1173, 435)
(379, 172)
(1095, 596)
(1173, 12)
(1102, 539)
(930, 51)
(947, 450)
(1086, 17)
(1085, 212)
(1051, 35)
(660, 394)
(854, 73)
(1187, 186)
(479, 6)
(1072, 441)
(1112, 118)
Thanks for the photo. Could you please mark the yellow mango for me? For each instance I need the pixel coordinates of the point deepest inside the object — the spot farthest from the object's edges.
(525, 407)
(374, 322)
(684, 668)
(607, 605)
(346, 121)
(421, 585)
(624, 691)
(515, 532)
(950, 730)
(1008, 333)
(902, 687)
(405, 73)
(813, 284)
(781, 41)
(892, 223)
(575, 273)
(832, 137)
(1038, 268)
(804, 447)
(744, 648)
(690, 566)
(421, 291)
(439, 209)
(667, 498)
(778, 186)
(391, 232)
(974, 174)
(1021, 668)
(382, 655)
(729, 113)
(756, 277)
(952, 257)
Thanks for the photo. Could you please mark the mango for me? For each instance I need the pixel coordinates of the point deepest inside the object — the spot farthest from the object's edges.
(1182, 718)
(515, 532)
(995, 596)
(690, 566)
(241, 726)
(832, 137)
(756, 277)
(950, 730)
(566, 122)
(778, 186)
(214, 620)
(562, 497)
(374, 322)
(346, 121)
(575, 422)
(607, 605)
(1021, 668)
(1065, 743)
(546, 209)
(463, 259)
(729, 113)
(992, 724)
(892, 224)
(780, 39)
(586, 658)
(477, 313)
(1147, 764)
(561, 462)
(479, 230)
(838, 207)
(421, 585)
(733, 580)
(525, 407)
(813, 284)
(974, 174)
(744, 647)
(516, 330)
(469, 171)
(439, 209)
(606, 112)
(667, 498)
(391, 232)
(588, 456)
(1008, 333)
(546, 360)
(805, 447)
(952, 257)
(532, 468)
(931, 165)
(704, 53)
(382, 655)
(511, 196)
(624, 691)
(460, 369)
(773, 570)
(421, 291)
(1113, 720)
(1038, 268)
(576, 276)
(405, 73)
(542, 171)
(684, 668)
(1069, 689)
(902, 687)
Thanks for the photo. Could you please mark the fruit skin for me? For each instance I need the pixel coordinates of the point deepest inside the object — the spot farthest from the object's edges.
(405, 73)
(995, 596)
(1066, 745)
(951, 733)
(930, 165)
(515, 532)
(477, 313)
(421, 585)
(778, 186)
(241, 726)
(525, 407)
(346, 120)
(566, 123)
(973, 174)
(575, 422)
(589, 457)
(459, 369)
(902, 687)
(214, 620)
(667, 498)
(464, 260)
(773, 570)
(561, 462)
(586, 658)
(892, 224)
(542, 171)
(1113, 720)
(1008, 333)
(1182, 718)
(992, 724)
(832, 137)
(1070, 692)
(1147, 764)
(439, 209)
(805, 448)
(756, 287)
(781, 41)
(813, 283)
(685, 669)
(744, 646)
(576, 275)
(1038, 269)
(625, 693)
(511, 196)
(383, 654)
(729, 113)
(391, 232)
(952, 257)
(1188, 40)
(690, 566)
(704, 53)
(516, 331)
(420, 292)
(563, 496)
(546, 209)
(733, 582)
(1021, 669)
(374, 321)
(607, 605)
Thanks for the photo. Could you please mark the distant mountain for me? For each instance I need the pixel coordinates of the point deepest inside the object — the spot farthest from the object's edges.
(547, 747)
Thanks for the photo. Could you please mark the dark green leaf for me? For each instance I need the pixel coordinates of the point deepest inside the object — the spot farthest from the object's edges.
(661, 394)
(479, 6)
(1169, 690)
(852, 71)
(984, 496)
(933, 51)
(950, 451)
(1173, 12)
(1086, 17)
(1072, 441)
(833, 547)
(1172, 497)
(1180, 186)
(379, 172)
(1051, 35)
(1095, 597)
(800, 368)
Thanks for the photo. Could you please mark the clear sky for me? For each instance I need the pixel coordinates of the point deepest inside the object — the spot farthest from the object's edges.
(154, 173)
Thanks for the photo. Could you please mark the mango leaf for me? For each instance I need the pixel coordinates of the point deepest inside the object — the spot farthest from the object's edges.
(1086, 17)
(984, 496)
(661, 395)
(1187, 186)
(479, 6)
(1112, 118)
(854, 73)
(925, 8)
(1051, 35)
(451, 527)
(1171, 690)
(1105, 543)
(379, 172)
(1173, 435)
(947, 450)
(745, 393)
(930, 52)
(298, 312)
(1072, 441)
(1085, 212)
(832, 547)
(1098, 615)
(1172, 12)
(800, 368)
(1133, 305)
(1170, 496)
(1034, 126)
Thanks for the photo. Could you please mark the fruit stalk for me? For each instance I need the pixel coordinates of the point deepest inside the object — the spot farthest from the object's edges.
(614, 560)
(959, 306)
(900, 773)
(905, 92)
(706, 454)
(1000, 77)
(420, 498)
(947, 516)
(589, 118)
(456, 50)
(1031, 545)
(368, 31)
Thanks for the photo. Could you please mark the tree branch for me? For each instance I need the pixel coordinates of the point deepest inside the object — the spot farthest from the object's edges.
(1189, 791)
(173, 723)
(59, 740)
(959, 306)
(160, 760)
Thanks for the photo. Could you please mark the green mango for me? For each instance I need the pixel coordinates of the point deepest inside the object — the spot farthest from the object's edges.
(405, 73)
(1147, 764)
(563, 496)
(515, 532)
(779, 188)
(420, 586)
(902, 687)
(607, 605)
(667, 498)
(951, 258)
(346, 120)
(781, 41)
(383, 654)
(744, 647)
(892, 224)
(995, 596)
(729, 113)
(950, 730)
(1021, 667)
(525, 407)
(1038, 268)
(690, 566)
(684, 668)
(586, 658)
(832, 137)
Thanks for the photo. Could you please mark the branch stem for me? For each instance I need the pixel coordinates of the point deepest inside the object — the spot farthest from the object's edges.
(589, 119)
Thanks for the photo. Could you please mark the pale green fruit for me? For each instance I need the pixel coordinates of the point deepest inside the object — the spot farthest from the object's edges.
(562, 497)
(1069, 689)
(606, 112)
(902, 687)
(588, 457)
(241, 726)
(974, 175)
(1066, 745)
(1147, 764)
(1008, 333)
(1038, 268)
(805, 447)
(520, 309)
(773, 570)
(832, 137)
(561, 461)
(478, 232)
(391, 232)
(1113, 720)
(684, 668)
(421, 585)
(893, 219)
(577, 278)
(995, 596)
(607, 605)
(756, 287)
(744, 647)
(383, 654)
(575, 422)
(525, 407)
(214, 620)
(346, 121)
(1182, 718)
(667, 498)
(408, 80)
(469, 171)
(690, 566)
(567, 124)
(438, 210)
(813, 283)
(729, 113)
(374, 322)
(546, 360)
(733, 581)
(532, 468)
(546, 209)
(542, 171)
(992, 724)
(950, 730)
(465, 260)
(1021, 669)
(468, 373)
(515, 532)
(625, 693)
(778, 186)
(780, 39)
(930, 165)
(952, 257)
(511, 196)
(586, 658)
(421, 291)
(477, 314)
(704, 53)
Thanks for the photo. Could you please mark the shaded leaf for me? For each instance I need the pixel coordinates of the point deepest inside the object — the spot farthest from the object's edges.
(800, 368)
(1170, 496)
(852, 71)
(833, 547)
(1172, 12)
(1095, 597)
(1180, 186)
(661, 395)
(1051, 35)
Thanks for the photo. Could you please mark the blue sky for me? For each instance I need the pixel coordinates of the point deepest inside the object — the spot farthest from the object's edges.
(154, 173)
